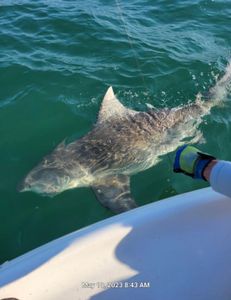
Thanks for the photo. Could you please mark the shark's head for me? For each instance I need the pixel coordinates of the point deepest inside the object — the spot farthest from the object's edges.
(51, 176)
(48, 181)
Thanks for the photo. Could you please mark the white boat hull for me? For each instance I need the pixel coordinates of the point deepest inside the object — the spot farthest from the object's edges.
(177, 248)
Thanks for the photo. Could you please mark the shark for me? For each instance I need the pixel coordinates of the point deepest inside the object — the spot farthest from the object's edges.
(121, 143)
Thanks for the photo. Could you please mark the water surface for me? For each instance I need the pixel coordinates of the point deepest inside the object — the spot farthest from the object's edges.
(57, 59)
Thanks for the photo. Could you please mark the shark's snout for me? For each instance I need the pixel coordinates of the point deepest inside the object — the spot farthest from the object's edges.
(22, 186)
(45, 181)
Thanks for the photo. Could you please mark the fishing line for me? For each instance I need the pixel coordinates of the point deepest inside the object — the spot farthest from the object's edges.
(130, 41)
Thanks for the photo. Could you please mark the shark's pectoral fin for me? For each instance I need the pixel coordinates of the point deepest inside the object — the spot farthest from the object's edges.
(114, 193)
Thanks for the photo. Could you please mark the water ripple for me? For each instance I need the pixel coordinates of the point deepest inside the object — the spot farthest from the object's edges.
(57, 59)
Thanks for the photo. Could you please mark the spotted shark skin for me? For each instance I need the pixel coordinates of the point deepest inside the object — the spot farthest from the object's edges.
(122, 143)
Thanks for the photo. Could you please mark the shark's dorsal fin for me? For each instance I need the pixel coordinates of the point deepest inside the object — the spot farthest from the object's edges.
(61, 146)
(110, 106)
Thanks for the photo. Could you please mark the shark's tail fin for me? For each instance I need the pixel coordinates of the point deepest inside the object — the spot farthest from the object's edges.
(222, 88)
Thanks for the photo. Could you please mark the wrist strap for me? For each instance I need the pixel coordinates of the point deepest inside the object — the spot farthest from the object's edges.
(201, 163)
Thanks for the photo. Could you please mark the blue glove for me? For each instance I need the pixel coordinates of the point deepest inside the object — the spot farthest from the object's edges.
(190, 161)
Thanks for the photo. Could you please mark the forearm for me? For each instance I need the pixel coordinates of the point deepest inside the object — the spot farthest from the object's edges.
(218, 173)
(207, 171)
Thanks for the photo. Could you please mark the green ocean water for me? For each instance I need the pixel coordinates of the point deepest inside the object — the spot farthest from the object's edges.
(57, 59)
